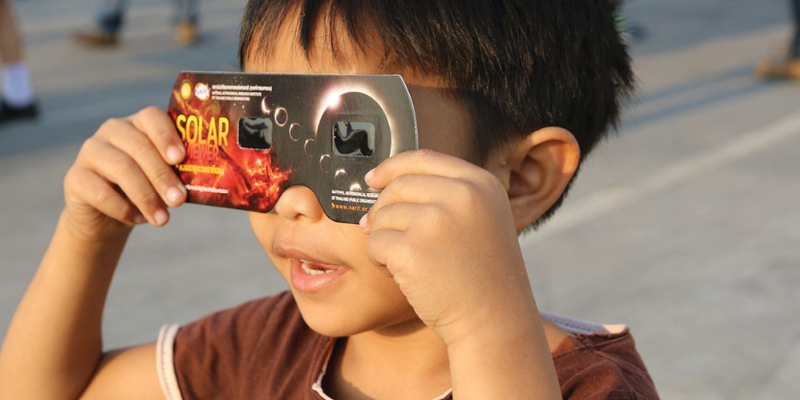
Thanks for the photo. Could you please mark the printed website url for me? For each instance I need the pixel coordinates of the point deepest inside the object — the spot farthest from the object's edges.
(206, 189)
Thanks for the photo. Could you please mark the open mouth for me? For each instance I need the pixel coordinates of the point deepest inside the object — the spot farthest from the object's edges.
(317, 269)
(313, 277)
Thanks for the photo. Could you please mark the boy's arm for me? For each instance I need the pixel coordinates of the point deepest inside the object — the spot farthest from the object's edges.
(53, 348)
(443, 228)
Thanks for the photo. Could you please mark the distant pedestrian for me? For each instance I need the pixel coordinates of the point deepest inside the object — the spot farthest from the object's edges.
(110, 17)
(787, 66)
(18, 100)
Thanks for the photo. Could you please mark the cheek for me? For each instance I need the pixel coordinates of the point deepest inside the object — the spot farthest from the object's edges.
(433, 139)
(445, 131)
(261, 228)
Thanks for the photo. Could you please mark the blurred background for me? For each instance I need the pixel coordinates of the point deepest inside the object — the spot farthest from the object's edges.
(685, 225)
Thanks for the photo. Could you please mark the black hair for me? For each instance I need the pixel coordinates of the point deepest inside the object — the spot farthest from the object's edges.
(515, 65)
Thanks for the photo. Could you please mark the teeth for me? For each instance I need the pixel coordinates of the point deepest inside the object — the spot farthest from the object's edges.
(306, 266)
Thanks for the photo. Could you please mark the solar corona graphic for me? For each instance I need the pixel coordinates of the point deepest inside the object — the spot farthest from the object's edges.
(249, 137)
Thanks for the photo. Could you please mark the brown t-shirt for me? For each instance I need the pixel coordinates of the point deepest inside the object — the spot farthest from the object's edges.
(264, 350)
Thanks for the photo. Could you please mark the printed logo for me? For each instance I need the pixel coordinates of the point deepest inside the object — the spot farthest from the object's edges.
(186, 90)
(202, 91)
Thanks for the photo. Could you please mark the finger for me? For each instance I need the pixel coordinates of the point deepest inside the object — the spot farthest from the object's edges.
(158, 126)
(380, 245)
(102, 196)
(417, 162)
(396, 217)
(119, 169)
(160, 174)
(419, 189)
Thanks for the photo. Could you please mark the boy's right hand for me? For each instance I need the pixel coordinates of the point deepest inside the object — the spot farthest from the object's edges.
(123, 176)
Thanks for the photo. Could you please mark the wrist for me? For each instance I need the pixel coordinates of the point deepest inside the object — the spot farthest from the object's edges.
(102, 232)
(507, 307)
(88, 247)
(507, 356)
(496, 324)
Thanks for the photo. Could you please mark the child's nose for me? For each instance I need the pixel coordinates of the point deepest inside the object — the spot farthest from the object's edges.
(299, 202)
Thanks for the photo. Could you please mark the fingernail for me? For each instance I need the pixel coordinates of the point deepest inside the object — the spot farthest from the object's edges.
(363, 222)
(369, 175)
(174, 154)
(161, 216)
(138, 219)
(173, 195)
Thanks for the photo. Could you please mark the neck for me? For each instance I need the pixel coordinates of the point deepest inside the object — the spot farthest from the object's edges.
(408, 362)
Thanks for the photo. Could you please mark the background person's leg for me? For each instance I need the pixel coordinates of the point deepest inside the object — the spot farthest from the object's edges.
(187, 15)
(788, 65)
(18, 99)
(794, 49)
(106, 28)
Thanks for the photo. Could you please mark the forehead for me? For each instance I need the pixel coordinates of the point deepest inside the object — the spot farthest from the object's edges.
(331, 49)
(285, 54)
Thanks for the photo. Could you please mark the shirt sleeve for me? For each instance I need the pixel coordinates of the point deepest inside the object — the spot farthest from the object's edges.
(600, 367)
(164, 362)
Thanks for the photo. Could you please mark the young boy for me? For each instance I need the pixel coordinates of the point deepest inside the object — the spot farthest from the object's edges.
(428, 297)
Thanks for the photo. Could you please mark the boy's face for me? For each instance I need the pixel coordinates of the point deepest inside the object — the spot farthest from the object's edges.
(339, 291)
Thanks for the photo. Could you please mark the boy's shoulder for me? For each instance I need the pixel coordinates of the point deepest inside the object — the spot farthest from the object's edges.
(600, 361)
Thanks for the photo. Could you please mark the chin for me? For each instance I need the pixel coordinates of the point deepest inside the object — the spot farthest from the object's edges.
(332, 325)
(348, 321)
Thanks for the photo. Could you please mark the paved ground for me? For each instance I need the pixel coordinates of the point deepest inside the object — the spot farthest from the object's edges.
(685, 225)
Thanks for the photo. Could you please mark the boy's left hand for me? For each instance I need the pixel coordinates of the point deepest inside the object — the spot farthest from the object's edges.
(443, 228)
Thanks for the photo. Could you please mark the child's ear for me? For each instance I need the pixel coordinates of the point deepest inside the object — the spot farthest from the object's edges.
(535, 170)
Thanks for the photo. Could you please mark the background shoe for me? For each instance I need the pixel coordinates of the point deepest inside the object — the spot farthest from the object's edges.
(784, 68)
(186, 33)
(8, 113)
(95, 37)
